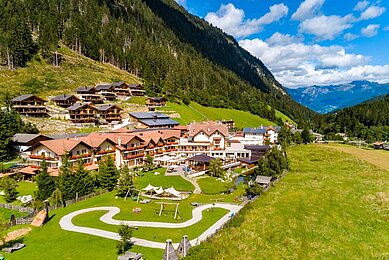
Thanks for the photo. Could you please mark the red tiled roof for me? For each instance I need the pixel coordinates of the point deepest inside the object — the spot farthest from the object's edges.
(61, 146)
(208, 128)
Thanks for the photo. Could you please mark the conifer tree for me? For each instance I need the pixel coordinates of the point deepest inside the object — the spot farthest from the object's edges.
(108, 174)
(9, 187)
(125, 185)
(45, 183)
(67, 181)
(84, 183)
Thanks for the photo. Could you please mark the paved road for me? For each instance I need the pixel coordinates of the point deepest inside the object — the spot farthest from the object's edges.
(66, 224)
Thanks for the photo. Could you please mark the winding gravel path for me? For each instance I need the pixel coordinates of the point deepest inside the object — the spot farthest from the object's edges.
(66, 224)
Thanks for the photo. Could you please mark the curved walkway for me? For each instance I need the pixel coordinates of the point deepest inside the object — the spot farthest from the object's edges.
(66, 224)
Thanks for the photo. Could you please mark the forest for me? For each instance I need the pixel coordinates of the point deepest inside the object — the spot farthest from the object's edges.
(177, 54)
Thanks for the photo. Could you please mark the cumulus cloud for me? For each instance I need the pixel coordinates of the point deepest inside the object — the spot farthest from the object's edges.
(326, 27)
(361, 5)
(372, 12)
(370, 30)
(307, 9)
(284, 39)
(232, 20)
(297, 64)
(350, 36)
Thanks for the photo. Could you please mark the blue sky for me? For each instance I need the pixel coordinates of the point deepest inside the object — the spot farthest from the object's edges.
(307, 42)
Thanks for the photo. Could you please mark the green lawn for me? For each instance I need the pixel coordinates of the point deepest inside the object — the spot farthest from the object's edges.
(177, 182)
(5, 214)
(331, 205)
(24, 188)
(210, 185)
(198, 113)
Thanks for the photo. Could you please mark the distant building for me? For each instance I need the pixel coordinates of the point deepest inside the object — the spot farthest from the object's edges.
(109, 112)
(152, 120)
(107, 91)
(156, 102)
(229, 123)
(22, 142)
(65, 100)
(89, 94)
(136, 89)
(30, 105)
(121, 88)
(82, 113)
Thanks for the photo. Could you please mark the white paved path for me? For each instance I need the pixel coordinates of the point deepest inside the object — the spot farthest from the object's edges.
(66, 224)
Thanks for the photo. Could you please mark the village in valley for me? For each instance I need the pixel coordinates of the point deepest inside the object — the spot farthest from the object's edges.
(158, 168)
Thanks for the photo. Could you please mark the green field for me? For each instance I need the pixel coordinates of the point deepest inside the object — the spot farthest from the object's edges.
(177, 182)
(24, 188)
(210, 185)
(41, 77)
(196, 112)
(331, 205)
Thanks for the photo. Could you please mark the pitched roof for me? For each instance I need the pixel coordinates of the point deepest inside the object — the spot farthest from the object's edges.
(263, 179)
(250, 160)
(107, 106)
(259, 130)
(117, 84)
(85, 89)
(63, 97)
(26, 138)
(24, 97)
(208, 128)
(159, 122)
(77, 106)
(201, 158)
(103, 87)
(62, 146)
(96, 141)
(148, 115)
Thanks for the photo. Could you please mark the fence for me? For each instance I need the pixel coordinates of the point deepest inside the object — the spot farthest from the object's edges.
(70, 202)
(16, 207)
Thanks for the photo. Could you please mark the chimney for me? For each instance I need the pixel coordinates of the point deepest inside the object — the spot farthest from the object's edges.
(120, 141)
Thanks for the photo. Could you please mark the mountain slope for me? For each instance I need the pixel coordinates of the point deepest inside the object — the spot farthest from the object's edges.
(178, 55)
(324, 99)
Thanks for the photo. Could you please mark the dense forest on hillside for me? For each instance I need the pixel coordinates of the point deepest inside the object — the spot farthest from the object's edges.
(177, 54)
(368, 121)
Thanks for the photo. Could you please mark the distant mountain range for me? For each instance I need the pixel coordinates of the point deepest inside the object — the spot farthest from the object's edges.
(325, 99)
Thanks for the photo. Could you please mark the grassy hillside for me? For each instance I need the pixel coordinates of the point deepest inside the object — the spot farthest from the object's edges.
(330, 205)
(42, 78)
(198, 113)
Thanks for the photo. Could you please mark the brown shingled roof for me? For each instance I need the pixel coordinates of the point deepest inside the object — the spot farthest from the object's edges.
(208, 128)
(61, 146)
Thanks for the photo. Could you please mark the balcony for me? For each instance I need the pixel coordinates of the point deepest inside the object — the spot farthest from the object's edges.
(133, 156)
(172, 143)
(105, 152)
(77, 156)
(41, 157)
(135, 148)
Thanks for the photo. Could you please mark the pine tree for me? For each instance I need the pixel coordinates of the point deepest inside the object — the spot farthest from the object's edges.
(9, 187)
(56, 198)
(45, 183)
(306, 136)
(67, 181)
(125, 185)
(108, 174)
(84, 182)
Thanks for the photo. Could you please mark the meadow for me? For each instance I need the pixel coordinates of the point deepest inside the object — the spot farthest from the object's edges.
(331, 205)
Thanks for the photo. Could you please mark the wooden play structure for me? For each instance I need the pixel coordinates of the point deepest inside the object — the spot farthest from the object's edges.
(168, 203)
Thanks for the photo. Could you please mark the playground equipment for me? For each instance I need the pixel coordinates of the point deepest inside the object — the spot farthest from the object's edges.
(168, 203)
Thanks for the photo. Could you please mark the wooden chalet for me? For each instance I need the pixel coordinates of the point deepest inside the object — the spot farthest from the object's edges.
(82, 113)
(121, 88)
(156, 102)
(107, 91)
(65, 100)
(229, 123)
(89, 94)
(136, 89)
(109, 112)
(30, 105)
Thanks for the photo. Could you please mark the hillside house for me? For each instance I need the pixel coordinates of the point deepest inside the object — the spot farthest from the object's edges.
(121, 88)
(84, 113)
(136, 90)
(109, 112)
(229, 123)
(152, 120)
(107, 91)
(30, 105)
(22, 142)
(65, 100)
(89, 94)
(156, 102)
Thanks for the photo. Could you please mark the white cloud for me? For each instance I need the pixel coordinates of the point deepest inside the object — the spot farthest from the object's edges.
(307, 9)
(372, 12)
(284, 39)
(361, 5)
(326, 27)
(232, 20)
(350, 36)
(370, 30)
(298, 64)
(181, 2)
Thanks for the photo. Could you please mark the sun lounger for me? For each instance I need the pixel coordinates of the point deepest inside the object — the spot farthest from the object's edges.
(14, 247)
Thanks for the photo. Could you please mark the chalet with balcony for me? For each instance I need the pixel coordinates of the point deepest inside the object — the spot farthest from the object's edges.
(136, 90)
(229, 123)
(22, 142)
(131, 150)
(30, 105)
(84, 113)
(152, 120)
(109, 112)
(156, 102)
(102, 145)
(107, 91)
(65, 100)
(121, 88)
(212, 133)
(89, 94)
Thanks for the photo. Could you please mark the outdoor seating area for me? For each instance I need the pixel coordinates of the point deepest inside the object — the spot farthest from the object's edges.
(159, 193)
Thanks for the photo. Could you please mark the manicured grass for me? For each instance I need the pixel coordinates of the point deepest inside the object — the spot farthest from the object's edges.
(177, 182)
(331, 205)
(198, 113)
(74, 71)
(210, 185)
(91, 219)
(24, 188)
(5, 214)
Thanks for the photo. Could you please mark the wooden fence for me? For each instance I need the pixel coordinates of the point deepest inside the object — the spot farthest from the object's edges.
(16, 207)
